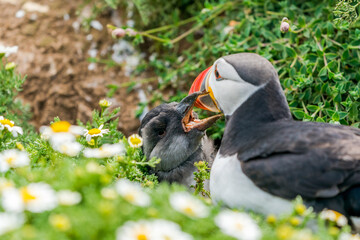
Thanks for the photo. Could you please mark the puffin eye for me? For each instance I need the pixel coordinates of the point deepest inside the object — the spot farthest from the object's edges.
(161, 132)
(217, 74)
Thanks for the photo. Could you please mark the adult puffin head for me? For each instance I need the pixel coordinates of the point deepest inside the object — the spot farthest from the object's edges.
(173, 133)
(233, 79)
(266, 158)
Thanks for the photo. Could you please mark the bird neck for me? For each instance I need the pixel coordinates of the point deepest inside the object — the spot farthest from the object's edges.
(268, 104)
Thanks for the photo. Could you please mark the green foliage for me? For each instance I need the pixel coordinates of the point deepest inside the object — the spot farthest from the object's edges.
(345, 11)
(202, 174)
(317, 61)
(10, 85)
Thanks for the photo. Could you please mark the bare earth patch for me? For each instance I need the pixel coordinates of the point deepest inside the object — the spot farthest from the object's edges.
(53, 54)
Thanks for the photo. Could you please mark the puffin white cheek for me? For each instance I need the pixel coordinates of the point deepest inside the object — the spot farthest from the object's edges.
(231, 94)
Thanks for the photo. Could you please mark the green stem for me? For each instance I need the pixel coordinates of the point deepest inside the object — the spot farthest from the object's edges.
(163, 28)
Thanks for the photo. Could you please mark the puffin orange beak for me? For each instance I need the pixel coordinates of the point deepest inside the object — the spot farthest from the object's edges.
(201, 84)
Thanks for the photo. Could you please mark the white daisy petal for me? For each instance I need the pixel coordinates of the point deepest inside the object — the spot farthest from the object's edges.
(187, 204)
(35, 197)
(68, 198)
(10, 221)
(105, 151)
(13, 158)
(132, 192)
(238, 225)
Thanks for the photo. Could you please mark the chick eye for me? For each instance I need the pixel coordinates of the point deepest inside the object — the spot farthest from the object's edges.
(217, 74)
(161, 132)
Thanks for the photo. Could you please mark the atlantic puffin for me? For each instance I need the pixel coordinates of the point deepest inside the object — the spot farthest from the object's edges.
(173, 133)
(266, 158)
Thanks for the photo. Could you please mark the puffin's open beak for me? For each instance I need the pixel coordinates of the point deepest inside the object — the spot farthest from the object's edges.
(190, 121)
(201, 84)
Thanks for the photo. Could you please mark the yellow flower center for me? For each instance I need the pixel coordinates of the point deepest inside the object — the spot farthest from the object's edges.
(135, 140)
(9, 160)
(94, 131)
(62, 126)
(26, 195)
(141, 236)
(6, 122)
(129, 197)
(189, 211)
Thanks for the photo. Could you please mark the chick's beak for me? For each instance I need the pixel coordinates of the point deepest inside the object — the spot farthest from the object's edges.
(201, 84)
(189, 120)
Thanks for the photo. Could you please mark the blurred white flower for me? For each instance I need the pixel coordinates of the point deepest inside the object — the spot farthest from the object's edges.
(10, 221)
(5, 183)
(10, 126)
(105, 151)
(187, 204)
(60, 127)
(104, 103)
(7, 51)
(95, 132)
(238, 225)
(35, 197)
(167, 230)
(132, 192)
(65, 143)
(140, 230)
(109, 193)
(93, 167)
(135, 141)
(13, 158)
(333, 216)
(349, 236)
(151, 230)
(68, 198)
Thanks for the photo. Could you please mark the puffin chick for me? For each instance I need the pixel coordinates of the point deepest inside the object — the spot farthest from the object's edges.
(173, 133)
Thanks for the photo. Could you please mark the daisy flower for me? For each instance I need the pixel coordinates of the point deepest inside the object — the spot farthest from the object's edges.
(167, 230)
(333, 216)
(108, 193)
(135, 141)
(10, 221)
(68, 198)
(105, 151)
(7, 51)
(141, 230)
(60, 127)
(238, 225)
(151, 230)
(65, 143)
(35, 197)
(93, 167)
(104, 103)
(95, 132)
(349, 236)
(5, 183)
(10, 126)
(13, 158)
(187, 204)
(132, 193)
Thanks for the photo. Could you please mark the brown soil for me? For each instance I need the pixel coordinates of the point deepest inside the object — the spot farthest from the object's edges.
(54, 56)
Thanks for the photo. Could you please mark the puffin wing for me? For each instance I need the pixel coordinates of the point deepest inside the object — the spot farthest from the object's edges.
(313, 160)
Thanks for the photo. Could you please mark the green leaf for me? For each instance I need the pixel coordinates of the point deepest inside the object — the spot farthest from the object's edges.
(299, 114)
(290, 52)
